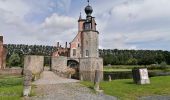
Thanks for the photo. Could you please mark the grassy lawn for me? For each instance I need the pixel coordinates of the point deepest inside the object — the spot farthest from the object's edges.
(10, 87)
(126, 90)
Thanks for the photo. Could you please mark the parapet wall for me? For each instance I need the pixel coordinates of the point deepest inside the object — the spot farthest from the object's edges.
(11, 71)
(59, 65)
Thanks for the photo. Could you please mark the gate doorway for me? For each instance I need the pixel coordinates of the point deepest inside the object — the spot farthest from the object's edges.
(47, 63)
(74, 65)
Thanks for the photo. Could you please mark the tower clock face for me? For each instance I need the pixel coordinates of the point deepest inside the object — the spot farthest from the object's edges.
(87, 26)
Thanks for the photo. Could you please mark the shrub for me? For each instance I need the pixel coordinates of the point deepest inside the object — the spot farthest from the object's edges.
(163, 65)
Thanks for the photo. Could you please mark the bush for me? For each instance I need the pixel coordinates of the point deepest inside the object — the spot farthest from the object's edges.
(163, 65)
(14, 60)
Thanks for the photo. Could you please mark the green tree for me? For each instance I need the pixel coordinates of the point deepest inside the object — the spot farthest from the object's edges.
(14, 60)
(132, 61)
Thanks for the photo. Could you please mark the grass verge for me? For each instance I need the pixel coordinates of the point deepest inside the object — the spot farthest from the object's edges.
(126, 90)
(11, 87)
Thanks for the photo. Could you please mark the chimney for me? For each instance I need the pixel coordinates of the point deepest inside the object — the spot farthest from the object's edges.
(66, 45)
(58, 44)
(1, 38)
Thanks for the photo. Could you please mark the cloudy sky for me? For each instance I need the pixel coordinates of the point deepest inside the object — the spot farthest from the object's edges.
(123, 24)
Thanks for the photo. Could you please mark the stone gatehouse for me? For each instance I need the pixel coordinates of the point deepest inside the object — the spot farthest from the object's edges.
(83, 52)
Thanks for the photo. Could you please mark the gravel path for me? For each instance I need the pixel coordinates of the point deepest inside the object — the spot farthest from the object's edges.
(155, 98)
(48, 77)
(52, 87)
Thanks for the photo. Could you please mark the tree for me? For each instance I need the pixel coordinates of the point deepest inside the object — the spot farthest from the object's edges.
(132, 61)
(14, 60)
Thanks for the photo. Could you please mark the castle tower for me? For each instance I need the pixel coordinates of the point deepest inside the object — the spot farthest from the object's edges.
(89, 35)
(89, 60)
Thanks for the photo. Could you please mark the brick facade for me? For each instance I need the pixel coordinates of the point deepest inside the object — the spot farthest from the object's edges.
(3, 53)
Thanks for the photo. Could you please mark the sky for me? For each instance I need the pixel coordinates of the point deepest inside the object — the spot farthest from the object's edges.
(123, 24)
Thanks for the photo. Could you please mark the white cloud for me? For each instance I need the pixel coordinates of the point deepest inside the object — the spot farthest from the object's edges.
(123, 24)
(130, 23)
(16, 29)
(15, 7)
(59, 22)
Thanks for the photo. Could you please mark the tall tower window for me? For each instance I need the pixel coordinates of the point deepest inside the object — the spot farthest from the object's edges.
(74, 52)
(87, 53)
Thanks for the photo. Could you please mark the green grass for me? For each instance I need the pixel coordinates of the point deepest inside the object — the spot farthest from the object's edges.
(11, 87)
(126, 90)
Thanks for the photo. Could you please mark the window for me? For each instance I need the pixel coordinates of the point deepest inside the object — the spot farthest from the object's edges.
(78, 45)
(87, 53)
(74, 52)
(87, 26)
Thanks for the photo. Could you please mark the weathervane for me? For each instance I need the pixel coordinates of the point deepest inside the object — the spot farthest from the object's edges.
(88, 1)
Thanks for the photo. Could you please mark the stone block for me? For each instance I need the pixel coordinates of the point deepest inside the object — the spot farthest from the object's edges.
(140, 76)
(34, 63)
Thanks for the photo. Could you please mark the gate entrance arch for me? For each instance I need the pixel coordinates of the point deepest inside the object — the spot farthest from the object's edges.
(74, 65)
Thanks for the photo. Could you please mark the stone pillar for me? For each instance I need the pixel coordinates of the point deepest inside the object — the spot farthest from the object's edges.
(27, 82)
(35, 64)
(97, 80)
(110, 78)
(140, 76)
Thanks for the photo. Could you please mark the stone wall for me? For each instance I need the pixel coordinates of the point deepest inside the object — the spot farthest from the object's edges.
(34, 63)
(88, 66)
(59, 65)
(11, 71)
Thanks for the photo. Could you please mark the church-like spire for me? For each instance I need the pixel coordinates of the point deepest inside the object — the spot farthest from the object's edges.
(80, 16)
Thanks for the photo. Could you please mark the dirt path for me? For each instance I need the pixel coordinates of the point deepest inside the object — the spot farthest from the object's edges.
(52, 87)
